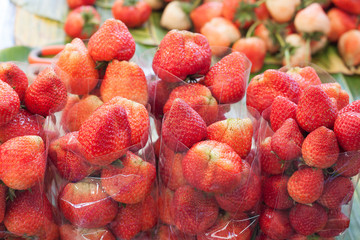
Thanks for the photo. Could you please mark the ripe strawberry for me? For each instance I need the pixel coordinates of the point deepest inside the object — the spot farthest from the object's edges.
(263, 32)
(347, 130)
(348, 46)
(198, 97)
(47, 94)
(275, 223)
(305, 76)
(180, 54)
(352, 107)
(333, 90)
(159, 92)
(281, 109)
(22, 162)
(70, 232)
(15, 77)
(337, 191)
(82, 22)
(166, 232)
(306, 185)
(340, 23)
(232, 10)
(78, 3)
(227, 78)
(275, 192)
(10, 103)
(112, 41)
(337, 223)
(315, 109)
(3, 196)
(131, 182)
(243, 198)
(105, 135)
(306, 219)
(132, 13)
(348, 164)
(124, 79)
(24, 123)
(214, 167)
(235, 132)
(270, 163)
(134, 218)
(287, 140)
(351, 6)
(264, 88)
(255, 50)
(76, 68)
(164, 205)
(204, 13)
(85, 204)
(193, 211)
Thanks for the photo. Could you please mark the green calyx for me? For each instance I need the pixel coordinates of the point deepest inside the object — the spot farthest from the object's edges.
(90, 22)
(130, 2)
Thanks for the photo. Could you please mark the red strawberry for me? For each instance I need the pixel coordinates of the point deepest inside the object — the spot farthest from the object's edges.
(337, 223)
(275, 224)
(204, 13)
(85, 204)
(69, 232)
(232, 10)
(306, 185)
(198, 97)
(227, 78)
(166, 232)
(351, 6)
(305, 76)
(275, 192)
(337, 191)
(243, 198)
(235, 132)
(193, 211)
(348, 46)
(348, 164)
(307, 219)
(112, 41)
(159, 92)
(333, 90)
(131, 182)
(281, 109)
(270, 163)
(78, 3)
(315, 109)
(263, 32)
(3, 196)
(76, 68)
(255, 50)
(105, 135)
(340, 23)
(287, 140)
(132, 13)
(347, 130)
(47, 94)
(24, 123)
(214, 167)
(180, 54)
(134, 218)
(9, 104)
(352, 107)
(164, 205)
(124, 79)
(22, 162)
(264, 88)
(82, 22)
(15, 77)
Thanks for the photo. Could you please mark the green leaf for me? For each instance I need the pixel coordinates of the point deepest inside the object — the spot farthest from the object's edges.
(18, 53)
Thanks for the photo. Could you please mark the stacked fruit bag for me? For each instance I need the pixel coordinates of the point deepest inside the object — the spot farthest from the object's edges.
(308, 151)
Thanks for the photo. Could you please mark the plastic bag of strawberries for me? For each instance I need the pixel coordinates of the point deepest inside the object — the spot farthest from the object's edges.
(309, 152)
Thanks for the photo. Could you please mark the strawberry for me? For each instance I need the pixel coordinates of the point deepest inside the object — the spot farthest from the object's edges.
(275, 192)
(199, 98)
(287, 140)
(351, 6)
(214, 167)
(69, 232)
(275, 223)
(264, 88)
(131, 182)
(282, 11)
(15, 77)
(255, 50)
(124, 79)
(269, 161)
(333, 90)
(235, 132)
(337, 191)
(237, 11)
(174, 16)
(337, 223)
(298, 237)
(134, 218)
(112, 41)
(193, 211)
(204, 13)
(352, 107)
(78, 3)
(348, 46)
(47, 94)
(306, 185)
(262, 31)
(159, 92)
(166, 232)
(315, 109)
(3, 196)
(281, 109)
(164, 205)
(348, 164)
(300, 54)
(10, 103)
(347, 131)
(76, 68)
(340, 23)
(308, 219)
(24, 123)
(180, 54)
(65, 154)
(243, 198)
(85, 204)
(82, 22)
(305, 76)
(105, 135)
(227, 78)
(132, 13)
(22, 162)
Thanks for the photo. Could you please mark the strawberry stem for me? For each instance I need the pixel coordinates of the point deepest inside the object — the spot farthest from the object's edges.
(252, 29)
(283, 45)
